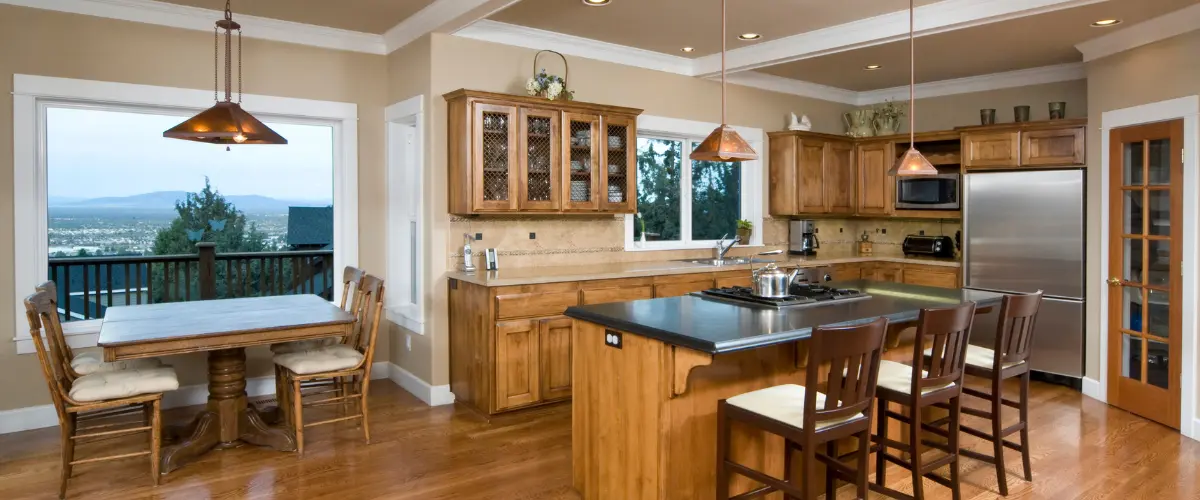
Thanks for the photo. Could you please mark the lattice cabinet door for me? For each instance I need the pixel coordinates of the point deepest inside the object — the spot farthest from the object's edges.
(581, 183)
(618, 164)
(540, 159)
(494, 156)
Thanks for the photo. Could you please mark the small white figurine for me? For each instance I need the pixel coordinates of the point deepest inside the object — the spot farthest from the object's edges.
(803, 123)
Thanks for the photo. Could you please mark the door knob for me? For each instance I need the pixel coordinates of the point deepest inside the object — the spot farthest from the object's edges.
(1114, 281)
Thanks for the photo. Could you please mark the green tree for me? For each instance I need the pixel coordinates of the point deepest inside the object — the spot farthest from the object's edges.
(716, 199)
(659, 174)
(208, 216)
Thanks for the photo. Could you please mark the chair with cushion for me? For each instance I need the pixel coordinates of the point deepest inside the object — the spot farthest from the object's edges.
(1008, 358)
(351, 284)
(87, 363)
(349, 361)
(807, 418)
(939, 385)
(99, 396)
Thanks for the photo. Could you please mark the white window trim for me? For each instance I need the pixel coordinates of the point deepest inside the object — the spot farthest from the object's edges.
(32, 94)
(405, 170)
(752, 183)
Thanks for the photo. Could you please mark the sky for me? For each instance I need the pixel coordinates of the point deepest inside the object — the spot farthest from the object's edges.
(93, 154)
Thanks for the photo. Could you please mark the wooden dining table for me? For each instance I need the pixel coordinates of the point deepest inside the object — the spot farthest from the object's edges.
(224, 328)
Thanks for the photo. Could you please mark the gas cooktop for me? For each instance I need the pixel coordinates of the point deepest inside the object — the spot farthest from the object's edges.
(801, 295)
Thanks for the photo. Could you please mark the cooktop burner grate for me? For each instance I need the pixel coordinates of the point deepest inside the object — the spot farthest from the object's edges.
(801, 294)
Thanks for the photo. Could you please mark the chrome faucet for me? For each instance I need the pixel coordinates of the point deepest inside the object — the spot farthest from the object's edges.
(722, 248)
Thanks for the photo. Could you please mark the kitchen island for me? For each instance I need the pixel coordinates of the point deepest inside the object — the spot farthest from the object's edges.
(648, 374)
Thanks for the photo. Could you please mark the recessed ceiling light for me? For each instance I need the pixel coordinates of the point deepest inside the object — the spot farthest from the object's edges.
(688, 49)
(749, 36)
(872, 67)
(596, 3)
(1104, 23)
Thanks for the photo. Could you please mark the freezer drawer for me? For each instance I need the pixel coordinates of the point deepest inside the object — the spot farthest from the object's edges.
(1057, 338)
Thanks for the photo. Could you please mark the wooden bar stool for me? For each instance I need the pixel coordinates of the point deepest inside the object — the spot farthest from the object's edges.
(806, 418)
(1008, 358)
(940, 383)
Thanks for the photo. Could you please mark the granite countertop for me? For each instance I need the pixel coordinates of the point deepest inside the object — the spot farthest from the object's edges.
(716, 327)
(599, 271)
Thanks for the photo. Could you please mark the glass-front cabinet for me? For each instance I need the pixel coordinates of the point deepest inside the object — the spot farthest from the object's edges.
(525, 154)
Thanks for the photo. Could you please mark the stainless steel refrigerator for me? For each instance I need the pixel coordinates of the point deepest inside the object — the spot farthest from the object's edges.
(1024, 232)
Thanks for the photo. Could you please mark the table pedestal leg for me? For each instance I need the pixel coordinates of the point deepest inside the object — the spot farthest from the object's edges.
(229, 420)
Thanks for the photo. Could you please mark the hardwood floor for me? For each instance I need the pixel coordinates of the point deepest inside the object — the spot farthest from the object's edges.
(1082, 449)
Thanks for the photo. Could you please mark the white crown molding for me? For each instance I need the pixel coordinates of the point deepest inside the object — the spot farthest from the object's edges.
(795, 87)
(434, 17)
(934, 18)
(1143, 33)
(532, 38)
(982, 83)
(192, 18)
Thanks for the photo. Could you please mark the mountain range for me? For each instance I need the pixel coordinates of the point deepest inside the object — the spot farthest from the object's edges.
(165, 200)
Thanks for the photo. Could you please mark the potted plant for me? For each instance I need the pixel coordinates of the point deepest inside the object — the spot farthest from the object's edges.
(744, 229)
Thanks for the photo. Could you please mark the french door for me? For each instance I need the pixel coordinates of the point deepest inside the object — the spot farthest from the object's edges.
(1145, 255)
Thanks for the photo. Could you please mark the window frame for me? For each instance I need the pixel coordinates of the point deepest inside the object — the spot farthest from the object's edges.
(33, 95)
(689, 131)
(405, 125)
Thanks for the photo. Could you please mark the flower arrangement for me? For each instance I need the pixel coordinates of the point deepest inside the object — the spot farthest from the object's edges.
(549, 86)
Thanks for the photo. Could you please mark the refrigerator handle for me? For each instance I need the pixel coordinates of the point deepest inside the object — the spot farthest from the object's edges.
(966, 233)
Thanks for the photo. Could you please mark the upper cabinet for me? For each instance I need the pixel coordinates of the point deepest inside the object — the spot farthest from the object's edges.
(523, 154)
(1057, 143)
(811, 173)
(876, 189)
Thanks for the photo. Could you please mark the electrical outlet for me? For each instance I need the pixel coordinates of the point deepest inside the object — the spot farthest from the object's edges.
(408, 341)
(533, 236)
(612, 338)
(816, 230)
(478, 236)
(841, 229)
(921, 233)
(884, 230)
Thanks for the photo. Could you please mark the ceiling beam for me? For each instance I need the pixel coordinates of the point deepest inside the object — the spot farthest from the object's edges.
(441, 16)
(940, 17)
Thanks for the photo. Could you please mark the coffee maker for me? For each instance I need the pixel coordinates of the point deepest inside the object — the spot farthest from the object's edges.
(802, 238)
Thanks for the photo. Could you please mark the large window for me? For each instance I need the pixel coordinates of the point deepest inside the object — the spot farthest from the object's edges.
(684, 203)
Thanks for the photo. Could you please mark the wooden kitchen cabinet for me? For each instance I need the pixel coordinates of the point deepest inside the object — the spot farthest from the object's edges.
(883, 271)
(517, 364)
(554, 363)
(726, 279)
(1052, 148)
(810, 174)
(938, 276)
(681, 284)
(847, 271)
(1056, 143)
(512, 153)
(840, 176)
(991, 149)
(618, 290)
(876, 189)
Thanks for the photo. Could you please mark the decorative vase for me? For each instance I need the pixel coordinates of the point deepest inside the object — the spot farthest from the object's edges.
(1021, 114)
(858, 123)
(987, 117)
(886, 125)
(1058, 110)
(743, 236)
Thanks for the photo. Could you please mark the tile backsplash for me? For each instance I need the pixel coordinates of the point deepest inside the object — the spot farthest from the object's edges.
(885, 234)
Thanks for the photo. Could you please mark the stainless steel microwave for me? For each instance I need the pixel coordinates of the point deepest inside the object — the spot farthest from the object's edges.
(933, 192)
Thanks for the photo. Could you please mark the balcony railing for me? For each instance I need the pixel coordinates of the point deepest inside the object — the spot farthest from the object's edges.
(89, 285)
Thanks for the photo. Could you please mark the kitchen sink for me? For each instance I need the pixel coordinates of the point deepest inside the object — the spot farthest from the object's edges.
(734, 261)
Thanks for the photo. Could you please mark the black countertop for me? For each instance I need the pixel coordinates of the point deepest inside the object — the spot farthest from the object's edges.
(716, 327)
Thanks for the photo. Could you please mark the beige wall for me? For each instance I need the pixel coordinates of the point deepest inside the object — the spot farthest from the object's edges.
(947, 112)
(39, 42)
(1156, 72)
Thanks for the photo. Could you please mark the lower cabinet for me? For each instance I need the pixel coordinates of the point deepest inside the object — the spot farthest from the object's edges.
(728, 279)
(517, 364)
(938, 276)
(554, 339)
(681, 284)
(883, 271)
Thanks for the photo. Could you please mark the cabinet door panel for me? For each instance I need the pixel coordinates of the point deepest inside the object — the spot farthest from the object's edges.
(810, 176)
(527, 305)
(782, 190)
(517, 364)
(839, 177)
(931, 278)
(618, 168)
(626, 294)
(555, 362)
(494, 157)
(540, 163)
(997, 149)
(1047, 148)
(581, 183)
(680, 289)
(875, 188)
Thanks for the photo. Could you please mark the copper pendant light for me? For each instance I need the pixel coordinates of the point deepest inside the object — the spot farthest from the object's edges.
(724, 143)
(912, 163)
(226, 122)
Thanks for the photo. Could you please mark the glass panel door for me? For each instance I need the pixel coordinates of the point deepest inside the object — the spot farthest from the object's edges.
(494, 157)
(581, 183)
(539, 158)
(618, 185)
(1145, 243)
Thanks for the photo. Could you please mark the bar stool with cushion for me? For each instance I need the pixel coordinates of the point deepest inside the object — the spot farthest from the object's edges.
(98, 395)
(807, 418)
(940, 385)
(350, 361)
(87, 363)
(1009, 358)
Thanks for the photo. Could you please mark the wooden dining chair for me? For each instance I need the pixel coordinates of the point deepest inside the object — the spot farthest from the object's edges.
(86, 363)
(100, 395)
(807, 418)
(351, 288)
(350, 361)
(938, 384)
(1008, 358)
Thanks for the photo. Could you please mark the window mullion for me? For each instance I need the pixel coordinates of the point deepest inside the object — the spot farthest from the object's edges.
(685, 195)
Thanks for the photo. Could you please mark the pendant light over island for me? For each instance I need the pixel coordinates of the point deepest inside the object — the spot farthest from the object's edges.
(724, 143)
(912, 163)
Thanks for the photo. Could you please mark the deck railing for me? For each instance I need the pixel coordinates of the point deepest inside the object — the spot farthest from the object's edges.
(89, 285)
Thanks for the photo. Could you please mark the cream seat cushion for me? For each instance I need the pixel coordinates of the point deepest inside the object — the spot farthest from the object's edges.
(784, 403)
(897, 377)
(302, 345)
(87, 363)
(320, 360)
(124, 384)
(981, 357)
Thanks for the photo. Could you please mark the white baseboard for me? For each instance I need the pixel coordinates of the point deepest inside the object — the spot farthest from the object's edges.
(1093, 389)
(1195, 434)
(37, 417)
(432, 395)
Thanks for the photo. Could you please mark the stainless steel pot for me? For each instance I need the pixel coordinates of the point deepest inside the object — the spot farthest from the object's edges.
(770, 281)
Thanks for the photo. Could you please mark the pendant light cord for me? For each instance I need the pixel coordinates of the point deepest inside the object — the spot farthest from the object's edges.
(724, 37)
(912, 76)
